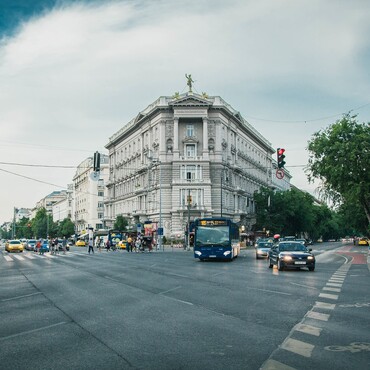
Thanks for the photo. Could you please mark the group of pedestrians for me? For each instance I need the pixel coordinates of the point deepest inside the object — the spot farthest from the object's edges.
(139, 244)
(54, 244)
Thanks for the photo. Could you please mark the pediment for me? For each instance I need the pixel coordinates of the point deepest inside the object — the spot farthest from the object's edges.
(190, 101)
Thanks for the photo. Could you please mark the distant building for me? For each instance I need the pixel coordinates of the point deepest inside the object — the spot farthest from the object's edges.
(63, 208)
(185, 157)
(49, 201)
(88, 195)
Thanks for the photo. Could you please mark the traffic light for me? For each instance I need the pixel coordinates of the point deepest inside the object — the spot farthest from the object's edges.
(280, 157)
(96, 161)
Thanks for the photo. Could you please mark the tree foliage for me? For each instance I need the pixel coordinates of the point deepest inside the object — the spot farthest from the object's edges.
(339, 156)
(121, 223)
(294, 212)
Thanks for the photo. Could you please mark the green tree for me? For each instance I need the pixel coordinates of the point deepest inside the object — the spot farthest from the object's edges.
(121, 223)
(339, 156)
(66, 228)
(43, 225)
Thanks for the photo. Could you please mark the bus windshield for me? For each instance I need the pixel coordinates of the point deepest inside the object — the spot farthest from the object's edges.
(210, 235)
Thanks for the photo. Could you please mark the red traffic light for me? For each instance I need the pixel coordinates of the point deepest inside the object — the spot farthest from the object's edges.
(280, 157)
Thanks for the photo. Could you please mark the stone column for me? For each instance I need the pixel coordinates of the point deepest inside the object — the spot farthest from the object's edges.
(176, 138)
(205, 137)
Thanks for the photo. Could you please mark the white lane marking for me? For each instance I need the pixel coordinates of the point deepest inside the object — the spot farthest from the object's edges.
(32, 331)
(327, 306)
(170, 290)
(21, 296)
(329, 296)
(334, 284)
(336, 281)
(308, 329)
(304, 286)
(275, 365)
(20, 258)
(178, 300)
(298, 347)
(317, 315)
(49, 255)
(29, 256)
(9, 259)
(332, 289)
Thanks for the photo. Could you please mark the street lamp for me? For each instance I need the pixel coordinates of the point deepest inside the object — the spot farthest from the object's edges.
(222, 178)
(188, 205)
(160, 228)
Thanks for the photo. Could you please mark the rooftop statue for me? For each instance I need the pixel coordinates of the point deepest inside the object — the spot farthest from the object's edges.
(189, 82)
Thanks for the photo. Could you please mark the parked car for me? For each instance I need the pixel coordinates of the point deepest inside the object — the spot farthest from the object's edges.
(291, 254)
(263, 248)
(363, 241)
(31, 245)
(14, 245)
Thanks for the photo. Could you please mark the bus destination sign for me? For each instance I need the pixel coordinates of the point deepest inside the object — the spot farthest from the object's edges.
(213, 222)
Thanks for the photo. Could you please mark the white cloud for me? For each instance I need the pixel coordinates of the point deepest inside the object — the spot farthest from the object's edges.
(72, 77)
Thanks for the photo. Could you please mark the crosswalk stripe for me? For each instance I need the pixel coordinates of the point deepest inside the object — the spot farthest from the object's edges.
(275, 365)
(329, 296)
(20, 258)
(9, 259)
(327, 306)
(298, 347)
(308, 329)
(331, 289)
(318, 315)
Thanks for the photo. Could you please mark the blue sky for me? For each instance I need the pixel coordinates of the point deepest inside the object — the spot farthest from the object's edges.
(72, 73)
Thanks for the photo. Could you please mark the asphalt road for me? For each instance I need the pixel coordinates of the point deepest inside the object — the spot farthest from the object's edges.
(167, 310)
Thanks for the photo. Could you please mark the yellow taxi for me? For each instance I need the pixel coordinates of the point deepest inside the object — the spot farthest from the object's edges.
(80, 243)
(14, 245)
(121, 244)
(363, 241)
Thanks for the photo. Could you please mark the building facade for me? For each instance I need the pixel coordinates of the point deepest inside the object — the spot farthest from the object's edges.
(88, 195)
(185, 157)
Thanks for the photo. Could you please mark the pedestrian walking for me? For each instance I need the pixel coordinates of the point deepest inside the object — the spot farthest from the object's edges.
(129, 244)
(100, 243)
(108, 245)
(137, 245)
(91, 245)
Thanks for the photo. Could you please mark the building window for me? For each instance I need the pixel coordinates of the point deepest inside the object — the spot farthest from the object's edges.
(190, 150)
(100, 193)
(191, 172)
(190, 130)
(100, 215)
(196, 197)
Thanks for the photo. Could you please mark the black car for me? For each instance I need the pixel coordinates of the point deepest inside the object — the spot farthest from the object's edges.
(291, 254)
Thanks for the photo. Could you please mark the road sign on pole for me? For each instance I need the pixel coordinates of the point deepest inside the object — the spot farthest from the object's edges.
(280, 173)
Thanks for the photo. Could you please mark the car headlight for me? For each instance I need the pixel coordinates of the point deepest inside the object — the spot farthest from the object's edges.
(227, 253)
(286, 258)
(311, 258)
(198, 253)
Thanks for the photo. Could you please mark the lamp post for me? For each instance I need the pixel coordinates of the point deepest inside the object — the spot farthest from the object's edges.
(222, 181)
(160, 208)
(188, 205)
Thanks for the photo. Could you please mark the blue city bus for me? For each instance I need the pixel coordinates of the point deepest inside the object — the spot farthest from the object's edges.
(216, 238)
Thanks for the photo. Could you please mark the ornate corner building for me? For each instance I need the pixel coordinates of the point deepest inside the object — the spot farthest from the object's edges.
(184, 157)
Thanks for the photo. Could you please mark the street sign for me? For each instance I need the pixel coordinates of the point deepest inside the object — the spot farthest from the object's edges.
(280, 173)
(94, 176)
(160, 230)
